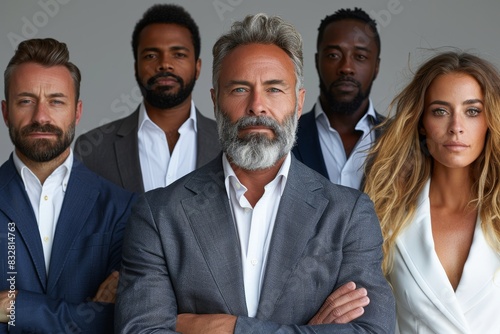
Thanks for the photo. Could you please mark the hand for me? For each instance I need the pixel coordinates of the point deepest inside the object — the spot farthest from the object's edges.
(107, 290)
(6, 297)
(188, 323)
(342, 306)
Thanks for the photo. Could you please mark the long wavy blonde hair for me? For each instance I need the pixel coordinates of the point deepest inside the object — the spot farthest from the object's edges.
(398, 166)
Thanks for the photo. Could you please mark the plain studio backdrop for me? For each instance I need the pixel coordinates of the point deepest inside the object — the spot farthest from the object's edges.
(98, 34)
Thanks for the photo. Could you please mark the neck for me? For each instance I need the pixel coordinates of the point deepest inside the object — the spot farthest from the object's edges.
(344, 122)
(256, 180)
(451, 188)
(42, 170)
(170, 120)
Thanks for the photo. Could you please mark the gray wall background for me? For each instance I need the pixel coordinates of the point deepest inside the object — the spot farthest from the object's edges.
(98, 35)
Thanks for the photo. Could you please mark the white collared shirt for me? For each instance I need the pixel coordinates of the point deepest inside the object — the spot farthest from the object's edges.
(254, 226)
(343, 170)
(46, 200)
(159, 168)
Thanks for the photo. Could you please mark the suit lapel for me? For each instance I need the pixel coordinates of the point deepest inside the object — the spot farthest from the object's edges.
(290, 236)
(15, 204)
(308, 148)
(211, 220)
(207, 140)
(480, 267)
(127, 154)
(416, 245)
(78, 203)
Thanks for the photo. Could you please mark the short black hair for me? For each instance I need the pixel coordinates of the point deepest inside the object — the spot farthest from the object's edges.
(346, 14)
(167, 13)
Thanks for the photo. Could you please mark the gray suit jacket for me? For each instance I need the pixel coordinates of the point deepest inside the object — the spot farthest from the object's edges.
(181, 254)
(112, 150)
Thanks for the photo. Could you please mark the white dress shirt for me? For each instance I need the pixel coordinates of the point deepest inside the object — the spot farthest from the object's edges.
(255, 227)
(347, 171)
(46, 200)
(160, 168)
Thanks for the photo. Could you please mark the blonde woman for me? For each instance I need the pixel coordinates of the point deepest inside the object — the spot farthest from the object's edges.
(434, 177)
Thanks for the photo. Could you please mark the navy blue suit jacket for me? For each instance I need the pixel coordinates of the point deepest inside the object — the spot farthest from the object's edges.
(86, 249)
(308, 149)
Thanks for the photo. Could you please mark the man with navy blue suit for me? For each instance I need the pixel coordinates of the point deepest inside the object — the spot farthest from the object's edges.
(334, 136)
(61, 225)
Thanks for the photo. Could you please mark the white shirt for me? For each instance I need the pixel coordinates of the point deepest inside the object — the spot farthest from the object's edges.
(158, 167)
(46, 200)
(343, 170)
(255, 227)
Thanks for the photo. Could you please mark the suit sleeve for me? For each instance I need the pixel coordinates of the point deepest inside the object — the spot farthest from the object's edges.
(39, 313)
(361, 263)
(146, 302)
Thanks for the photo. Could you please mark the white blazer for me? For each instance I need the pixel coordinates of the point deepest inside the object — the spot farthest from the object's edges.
(425, 299)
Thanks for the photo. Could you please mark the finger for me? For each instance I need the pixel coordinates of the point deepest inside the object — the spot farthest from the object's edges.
(324, 311)
(345, 312)
(333, 308)
(344, 289)
(107, 290)
(349, 316)
(345, 298)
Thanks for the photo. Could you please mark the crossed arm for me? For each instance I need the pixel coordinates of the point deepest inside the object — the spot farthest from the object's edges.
(145, 277)
(58, 313)
(343, 305)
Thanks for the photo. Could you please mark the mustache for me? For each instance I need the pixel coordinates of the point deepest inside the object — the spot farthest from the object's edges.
(37, 127)
(247, 121)
(152, 80)
(344, 79)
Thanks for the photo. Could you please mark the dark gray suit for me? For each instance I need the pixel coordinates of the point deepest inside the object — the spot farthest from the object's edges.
(112, 150)
(182, 255)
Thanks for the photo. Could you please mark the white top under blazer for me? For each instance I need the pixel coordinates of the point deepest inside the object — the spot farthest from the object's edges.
(425, 299)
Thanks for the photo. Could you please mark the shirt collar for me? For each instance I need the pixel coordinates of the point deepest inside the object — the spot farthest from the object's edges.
(64, 169)
(232, 180)
(144, 118)
(365, 122)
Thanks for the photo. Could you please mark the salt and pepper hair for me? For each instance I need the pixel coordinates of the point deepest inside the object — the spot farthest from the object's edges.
(260, 29)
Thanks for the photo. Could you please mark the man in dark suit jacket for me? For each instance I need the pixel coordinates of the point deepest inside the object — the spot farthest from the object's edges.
(61, 225)
(166, 137)
(254, 241)
(333, 138)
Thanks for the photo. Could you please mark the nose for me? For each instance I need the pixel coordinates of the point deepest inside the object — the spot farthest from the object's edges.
(346, 66)
(164, 64)
(256, 104)
(456, 126)
(41, 113)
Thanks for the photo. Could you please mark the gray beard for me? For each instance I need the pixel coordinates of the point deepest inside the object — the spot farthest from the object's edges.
(256, 151)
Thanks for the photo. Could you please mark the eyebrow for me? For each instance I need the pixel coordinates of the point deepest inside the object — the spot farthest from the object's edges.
(266, 83)
(466, 102)
(357, 47)
(52, 95)
(173, 48)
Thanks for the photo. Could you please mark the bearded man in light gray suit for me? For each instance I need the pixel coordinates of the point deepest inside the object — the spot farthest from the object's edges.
(255, 241)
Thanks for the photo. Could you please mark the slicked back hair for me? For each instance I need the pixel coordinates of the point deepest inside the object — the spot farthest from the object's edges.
(46, 52)
(260, 29)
